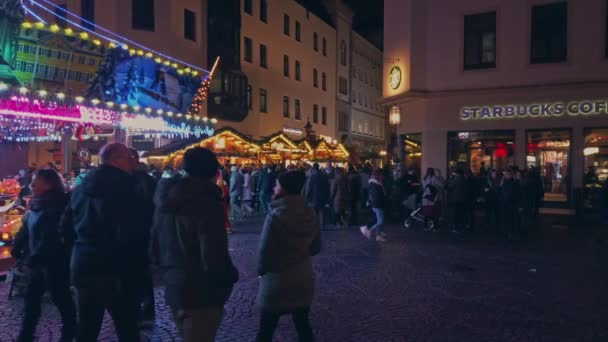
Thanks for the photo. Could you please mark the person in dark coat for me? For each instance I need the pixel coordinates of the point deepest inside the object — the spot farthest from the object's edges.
(268, 181)
(377, 201)
(190, 246)
(457, 199)
(145, 186)
(509, 201)
(290, 237)
(317, 192)
(491, 197)
(39, 245)
(107, 229)
(339, 197)
(354, 193)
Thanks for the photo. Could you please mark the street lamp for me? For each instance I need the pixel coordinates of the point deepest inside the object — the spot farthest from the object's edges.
(394, 120)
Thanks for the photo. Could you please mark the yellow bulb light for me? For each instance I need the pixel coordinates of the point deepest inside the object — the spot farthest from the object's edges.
(60, 96)
(26, 25)
(39, 25)
(68, 31)
(54, 28)
(84, 35)
(79, 99)
(42, 93)
(149, 54)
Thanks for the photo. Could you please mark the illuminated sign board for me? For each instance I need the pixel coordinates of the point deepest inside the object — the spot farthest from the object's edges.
(535, 110)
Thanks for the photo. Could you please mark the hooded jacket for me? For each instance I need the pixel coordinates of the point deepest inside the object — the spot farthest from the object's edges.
(40, 242)
(190, 245)
(105, 219)
(289, 238)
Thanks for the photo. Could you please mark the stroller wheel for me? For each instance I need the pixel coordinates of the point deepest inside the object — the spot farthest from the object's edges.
(430, 225)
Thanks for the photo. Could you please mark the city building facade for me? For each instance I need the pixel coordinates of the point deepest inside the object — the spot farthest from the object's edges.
(288, 56)
(492, 84)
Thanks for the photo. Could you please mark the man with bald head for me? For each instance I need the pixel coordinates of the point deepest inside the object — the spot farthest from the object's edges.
(104, 217)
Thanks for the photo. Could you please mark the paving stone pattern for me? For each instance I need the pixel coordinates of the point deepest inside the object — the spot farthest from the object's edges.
(417, 287)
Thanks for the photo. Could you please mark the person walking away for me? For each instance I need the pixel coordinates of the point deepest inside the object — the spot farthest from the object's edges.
(246, 205)
(509, 201)
(254, 185)
(431, 198)
(539, 194)
(491, 196)
(354, 195)
(40, 246)
(145, 186)
(267, 187)
(457, 199)
(317, 193)
(219, 181)
(366, 174)
(408, 185)
(339, 197)
(377, 201)
(472, 188)
(190, 246)
(290, 237)
(106, 226)
(236, 193)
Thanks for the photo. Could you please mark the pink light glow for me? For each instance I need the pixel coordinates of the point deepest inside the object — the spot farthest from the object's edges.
(36, 109)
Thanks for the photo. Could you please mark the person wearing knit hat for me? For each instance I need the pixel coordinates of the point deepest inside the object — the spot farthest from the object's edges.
(290, 237)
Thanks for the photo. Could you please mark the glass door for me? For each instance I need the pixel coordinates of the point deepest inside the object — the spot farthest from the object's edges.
(549, 152)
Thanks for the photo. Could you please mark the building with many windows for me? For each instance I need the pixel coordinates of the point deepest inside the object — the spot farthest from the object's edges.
(288, 56)
(492, 84)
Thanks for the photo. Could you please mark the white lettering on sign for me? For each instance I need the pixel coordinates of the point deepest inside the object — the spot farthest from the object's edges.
(535, 110)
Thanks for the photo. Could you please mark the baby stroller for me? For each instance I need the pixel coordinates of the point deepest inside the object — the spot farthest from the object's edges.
(414, 205)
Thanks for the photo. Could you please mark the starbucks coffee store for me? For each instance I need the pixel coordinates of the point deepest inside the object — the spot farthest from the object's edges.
(561, 130)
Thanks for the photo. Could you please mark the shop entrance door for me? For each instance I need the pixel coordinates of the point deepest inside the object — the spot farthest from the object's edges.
(549, 152)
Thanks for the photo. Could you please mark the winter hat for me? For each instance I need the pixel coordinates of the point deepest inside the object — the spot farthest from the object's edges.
(292, 182)
(200, 163)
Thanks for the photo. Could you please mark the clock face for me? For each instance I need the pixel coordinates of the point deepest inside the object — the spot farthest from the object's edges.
(394, 77)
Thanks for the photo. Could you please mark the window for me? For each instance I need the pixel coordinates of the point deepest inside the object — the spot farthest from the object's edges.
(87, 7)
(263, 101)
(189, 25)
(549, 33)
(91, 61)
(285, 65)
(298, 37)
(82, 59)
(41, 70)
(324, 47)
(315, 41)
(142, 15)
(323, 116)
(248, 6)
(343, 53)
(315, 113)
(323, 81)
(248, 50)
(60, 74)
(60, 11)
(480, 41)
(263, 11)
(315, 78)
(286, 24)
(343, 123)
(298, 114)
(298, 78)
(343, 86)
(263, 56)
(285, 106)
(249, 97)
(29, 67)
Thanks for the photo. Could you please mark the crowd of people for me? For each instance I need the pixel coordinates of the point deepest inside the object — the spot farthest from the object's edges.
(106, 236)
(103, 240)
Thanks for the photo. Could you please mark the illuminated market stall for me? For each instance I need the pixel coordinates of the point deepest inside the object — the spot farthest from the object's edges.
(66, 89)
(234, 148)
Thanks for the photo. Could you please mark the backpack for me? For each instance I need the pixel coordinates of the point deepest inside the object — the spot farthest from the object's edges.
(429, 193)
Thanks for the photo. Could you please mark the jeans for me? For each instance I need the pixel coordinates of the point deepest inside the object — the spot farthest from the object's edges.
(321, 216)
(56, 281)
(269, 321)
(120, 297)
(265, 201)
(235, 207)
(378, 224)
(198, 325)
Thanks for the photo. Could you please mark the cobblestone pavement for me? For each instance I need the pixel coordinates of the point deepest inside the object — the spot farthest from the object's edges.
(417, 287)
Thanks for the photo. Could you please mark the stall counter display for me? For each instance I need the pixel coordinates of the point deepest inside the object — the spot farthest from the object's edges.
(10, 215)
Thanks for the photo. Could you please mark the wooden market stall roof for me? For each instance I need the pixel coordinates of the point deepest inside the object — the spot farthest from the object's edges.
(228, 141)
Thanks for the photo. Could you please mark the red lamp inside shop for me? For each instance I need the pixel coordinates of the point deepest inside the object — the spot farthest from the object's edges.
(501, 150)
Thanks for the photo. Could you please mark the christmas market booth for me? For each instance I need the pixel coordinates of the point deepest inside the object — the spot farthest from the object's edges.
(235, 148)
(67, 90)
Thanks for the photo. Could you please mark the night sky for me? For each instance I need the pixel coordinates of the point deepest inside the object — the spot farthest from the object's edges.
(368, 18)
